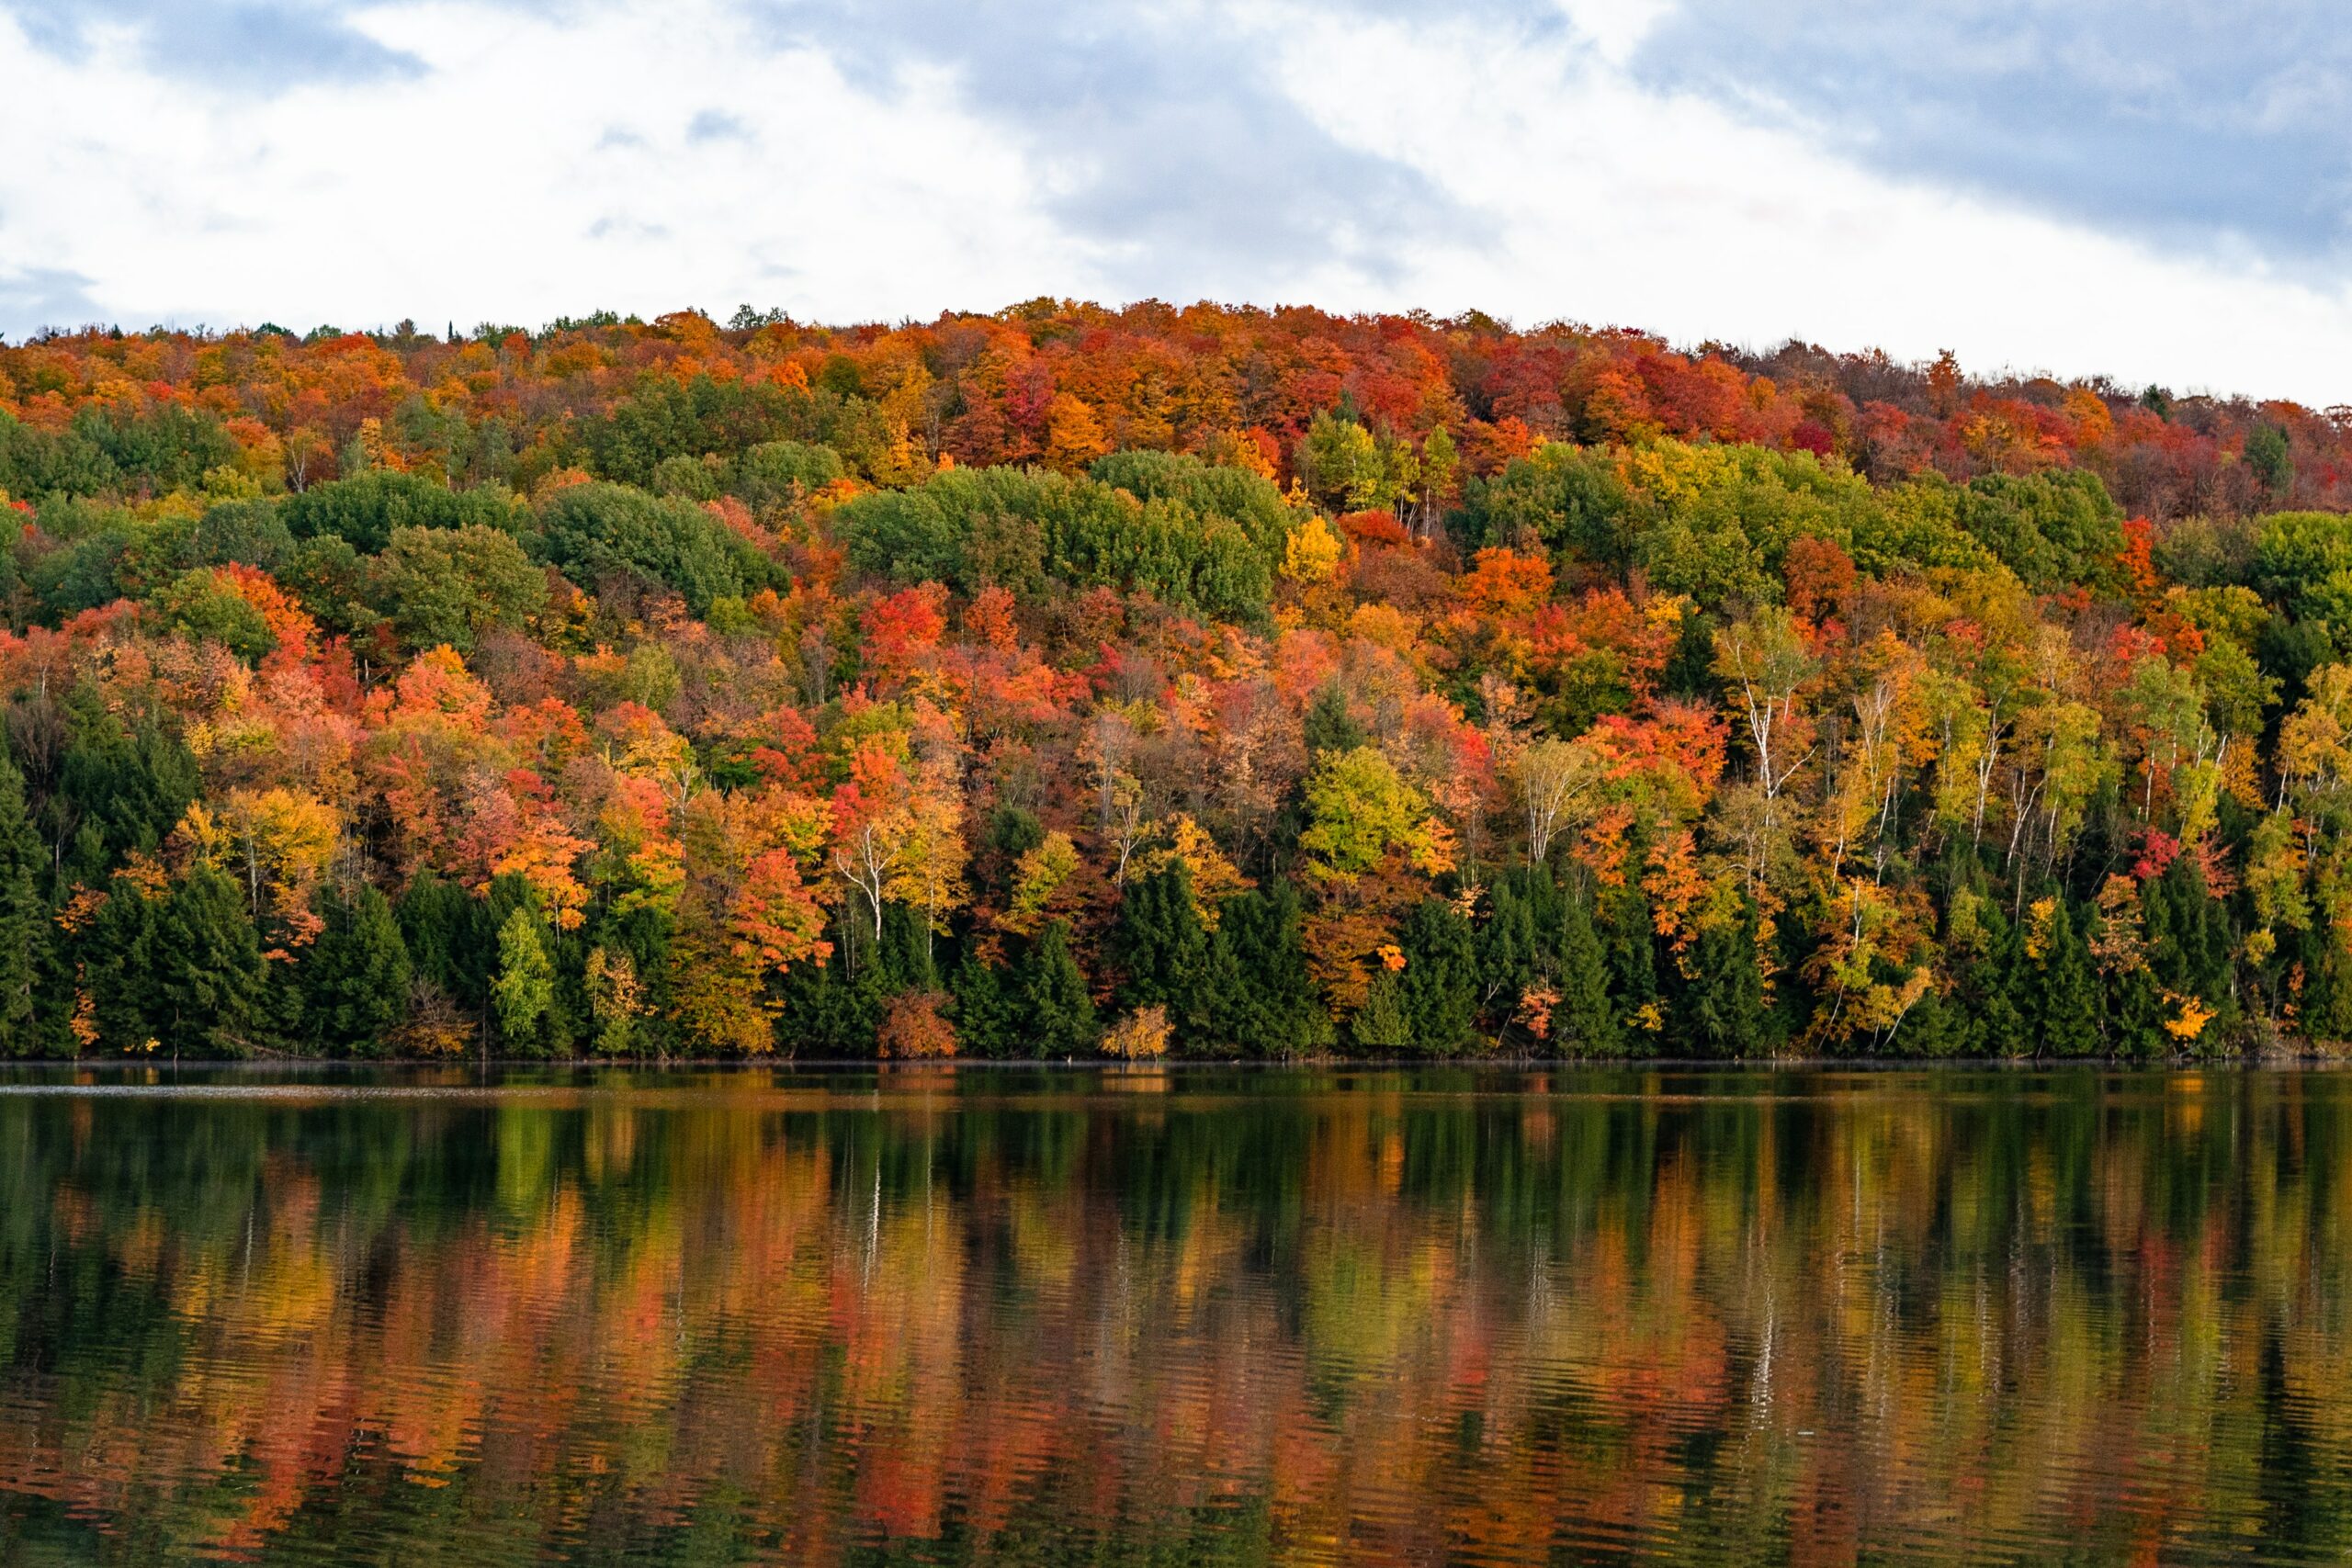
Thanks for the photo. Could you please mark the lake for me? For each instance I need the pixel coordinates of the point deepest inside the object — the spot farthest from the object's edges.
(1176, 1316)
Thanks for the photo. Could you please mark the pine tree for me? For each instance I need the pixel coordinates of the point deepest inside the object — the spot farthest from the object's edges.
(1584, 1024)
(1722, 1008)
(1381, 1025)
(355, 976)
(1158, 943)
(451, 940)
(2189, 942)
(1631, 943)
(26, 1028)
(986, 1020)
(118, 789)
(1258, 993)
(119, 956)
(1439, 987)
(1510, 959)
(1329, 727)
(1061, 1014)
(2067, 1016)
(206, 975)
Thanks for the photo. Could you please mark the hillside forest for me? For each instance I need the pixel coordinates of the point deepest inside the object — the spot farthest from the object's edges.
(1209, 681)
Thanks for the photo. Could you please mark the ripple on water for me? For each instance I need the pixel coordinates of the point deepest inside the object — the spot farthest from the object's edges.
(1681, 1317)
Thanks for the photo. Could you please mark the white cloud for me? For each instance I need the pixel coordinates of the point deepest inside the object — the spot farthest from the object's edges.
(1622, 205)
(491, 187)
(644, 156)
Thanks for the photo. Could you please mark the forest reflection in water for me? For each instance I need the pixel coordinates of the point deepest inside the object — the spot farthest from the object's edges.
(1177, 1315)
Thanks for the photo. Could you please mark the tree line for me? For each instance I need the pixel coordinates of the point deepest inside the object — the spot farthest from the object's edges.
(1215, 681)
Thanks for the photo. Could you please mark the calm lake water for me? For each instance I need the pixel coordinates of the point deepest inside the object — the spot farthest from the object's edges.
(1179, 1316)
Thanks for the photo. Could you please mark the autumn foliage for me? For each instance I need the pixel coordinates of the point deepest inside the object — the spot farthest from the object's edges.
(1298, 684)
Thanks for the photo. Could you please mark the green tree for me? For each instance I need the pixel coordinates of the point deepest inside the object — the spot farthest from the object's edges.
(1261, 997)
(202, 606)
(365, 509)
(1511, 956)
(988, 1021)
(1060, 1020)
(2066, 1011)
(524, 992)
(1382, 1025)
(450, 585)
(26, 1028)
(1584, 1024)
(1438, 986)
(2270, 458)
(451, 938)
(1630, 943)
(1159, 948)
(120, 787)
(1721, 1010)
(355, 976)
(180, 967)
(594, 532)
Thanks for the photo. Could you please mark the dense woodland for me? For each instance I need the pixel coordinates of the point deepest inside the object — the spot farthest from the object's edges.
(1215, 681)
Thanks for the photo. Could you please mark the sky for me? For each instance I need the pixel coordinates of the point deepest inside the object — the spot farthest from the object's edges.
(2159, 191)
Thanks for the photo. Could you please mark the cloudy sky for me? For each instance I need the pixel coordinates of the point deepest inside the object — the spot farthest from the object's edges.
(2160, 190)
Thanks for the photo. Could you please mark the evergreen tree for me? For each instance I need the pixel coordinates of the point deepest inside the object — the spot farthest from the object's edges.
(1329, 727)
(25, 1026)
(1584, 1024)
(1986, 955)
(1061, 1014)
(118, 955)
(1934, 1027)
(1630, 944)
(119, 789)
(205, 978)
(987, 1016)
(450, 940)
(1158, 944)
(355, 976)
(2189, 941)
(1258, 993)
(2066, 1021)
(1510, 956)
(1381, 1026)
(1438, 988)
(1721, 1012)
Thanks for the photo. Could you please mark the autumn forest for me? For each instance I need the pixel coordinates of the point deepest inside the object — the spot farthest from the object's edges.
(1210, 681)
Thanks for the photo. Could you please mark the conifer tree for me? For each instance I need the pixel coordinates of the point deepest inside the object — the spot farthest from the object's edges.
(1630, 945)
(1584, 1024)
(206, 977)
(1258, 993)
(1158, 943)
(1993, 978)
(355, 976)
(2067, 1013)
(1381, 1026)
(1060, 1020)
(1510, 959)
(987, 1021)
(1329, 725)
(1438, 990)
(118, 955)
(1721, 1007)
(26, 1027)
(451, 940)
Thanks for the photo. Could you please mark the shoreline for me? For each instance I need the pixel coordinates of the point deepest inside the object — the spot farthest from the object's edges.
(263, 1066)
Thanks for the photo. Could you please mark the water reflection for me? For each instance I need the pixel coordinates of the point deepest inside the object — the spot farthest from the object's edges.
(1178, 1317)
